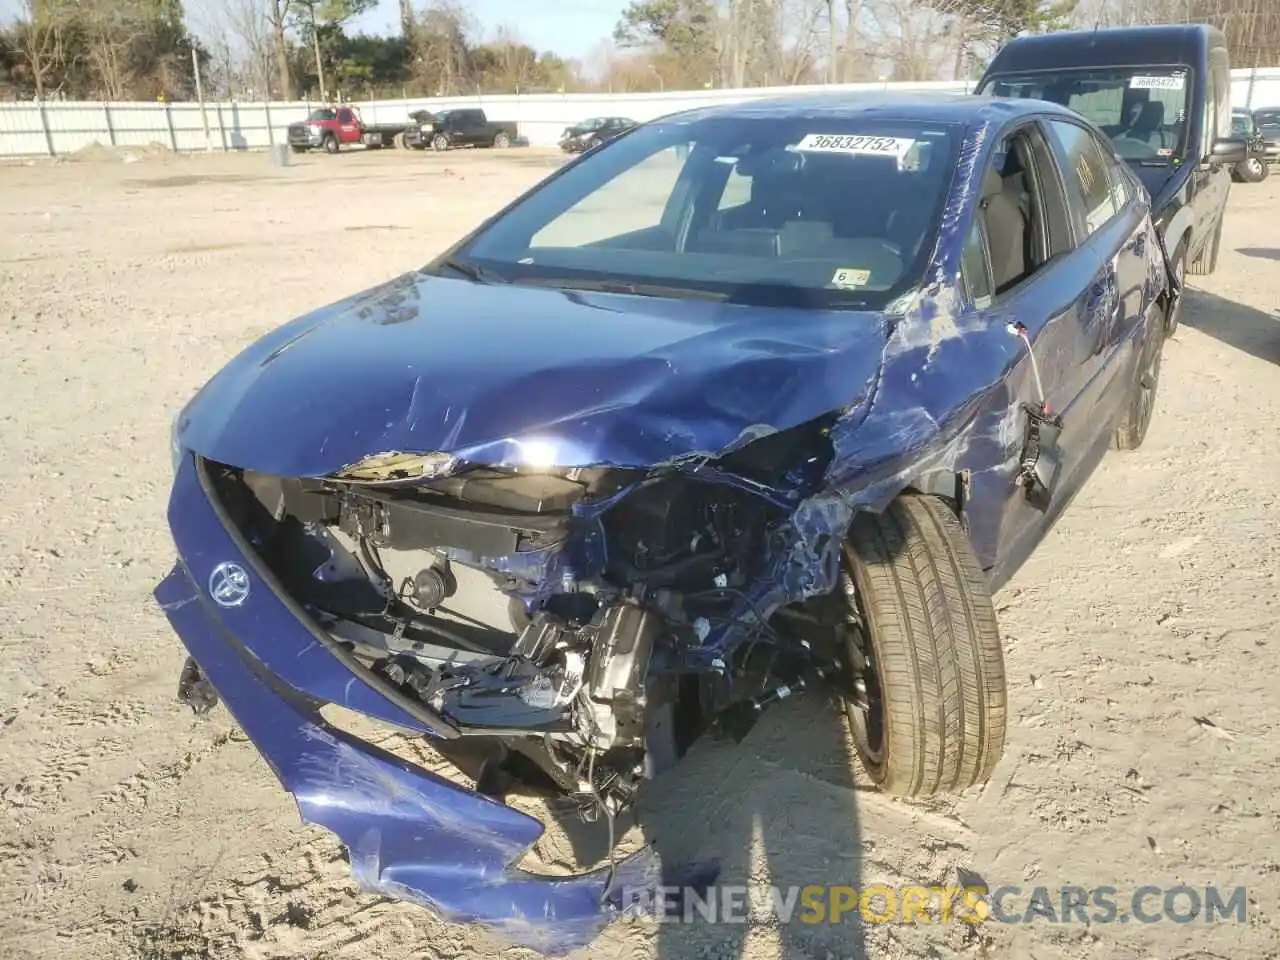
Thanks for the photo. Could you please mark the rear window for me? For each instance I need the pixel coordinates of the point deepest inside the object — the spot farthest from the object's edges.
(1142, 109)
(812, 211)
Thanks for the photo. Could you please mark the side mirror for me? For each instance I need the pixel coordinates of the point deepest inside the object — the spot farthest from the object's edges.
(1229, 150)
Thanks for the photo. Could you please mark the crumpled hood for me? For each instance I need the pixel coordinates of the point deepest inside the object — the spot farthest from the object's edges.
(428, 364)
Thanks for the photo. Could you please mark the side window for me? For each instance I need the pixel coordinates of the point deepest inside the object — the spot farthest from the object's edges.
(1117, 173)
(1089, 187)
(344, 116)
(1012, 231)
(1218, 66)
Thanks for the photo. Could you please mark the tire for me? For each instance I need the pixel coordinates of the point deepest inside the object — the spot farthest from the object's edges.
(922, 619)
(1141, 400)
(1252, 170)
(330, 143)
(501, 141)
(439, 143)
(1207, 262)
(398, 140)
(1179, 263)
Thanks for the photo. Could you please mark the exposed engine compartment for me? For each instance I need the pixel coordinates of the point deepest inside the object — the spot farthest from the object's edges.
(545, 615)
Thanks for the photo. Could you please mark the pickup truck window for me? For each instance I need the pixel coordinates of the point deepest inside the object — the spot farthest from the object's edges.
(344, 116)
(1142, 109)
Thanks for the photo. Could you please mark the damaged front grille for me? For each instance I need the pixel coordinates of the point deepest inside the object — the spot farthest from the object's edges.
(546, 613)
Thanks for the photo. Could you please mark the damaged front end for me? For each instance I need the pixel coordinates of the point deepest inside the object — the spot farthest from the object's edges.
(554, 631)
(587, 624)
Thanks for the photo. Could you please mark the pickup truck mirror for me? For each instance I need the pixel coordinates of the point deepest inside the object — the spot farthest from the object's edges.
(1229, 150)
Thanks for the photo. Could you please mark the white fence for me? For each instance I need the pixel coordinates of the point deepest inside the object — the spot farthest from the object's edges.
(54, 128)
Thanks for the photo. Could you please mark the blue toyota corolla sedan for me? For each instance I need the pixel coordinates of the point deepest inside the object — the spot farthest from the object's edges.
(751, 399)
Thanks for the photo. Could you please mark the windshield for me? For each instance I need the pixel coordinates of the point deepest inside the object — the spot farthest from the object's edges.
(1142, 109)
(1241, 125)
(813, 212)
(322, 115)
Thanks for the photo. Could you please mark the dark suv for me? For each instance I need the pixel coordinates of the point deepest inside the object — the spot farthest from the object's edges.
(1267, 120)
(589, 134)
(1253, 169)
(1163, 96)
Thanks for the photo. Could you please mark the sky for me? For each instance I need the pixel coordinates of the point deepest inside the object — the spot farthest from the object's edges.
(567, 27)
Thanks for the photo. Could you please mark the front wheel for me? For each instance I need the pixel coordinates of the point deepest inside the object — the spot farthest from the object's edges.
(924, 650)
(330, 144)
(1252, 170)
(439, 143)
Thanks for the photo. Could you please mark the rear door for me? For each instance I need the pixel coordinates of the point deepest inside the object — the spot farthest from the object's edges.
(1109, 220)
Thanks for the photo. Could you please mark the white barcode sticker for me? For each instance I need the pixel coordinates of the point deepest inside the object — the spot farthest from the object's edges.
(856, 144)
(1175, 82)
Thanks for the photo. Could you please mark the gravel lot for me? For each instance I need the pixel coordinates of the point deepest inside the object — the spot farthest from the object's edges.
(1143, 638)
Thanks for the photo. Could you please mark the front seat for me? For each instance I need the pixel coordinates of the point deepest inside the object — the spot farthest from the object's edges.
(1007, 229)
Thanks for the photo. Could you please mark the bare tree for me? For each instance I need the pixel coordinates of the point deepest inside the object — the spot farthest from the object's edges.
(279, 13)
(441, 46)
(913, 38)
(249, 23)
(41, 42)
(110, 32)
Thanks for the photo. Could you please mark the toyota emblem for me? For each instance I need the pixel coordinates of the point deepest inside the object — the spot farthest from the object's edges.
(229, 584)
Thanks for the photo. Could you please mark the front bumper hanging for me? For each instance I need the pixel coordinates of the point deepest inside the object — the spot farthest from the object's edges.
(411, 835)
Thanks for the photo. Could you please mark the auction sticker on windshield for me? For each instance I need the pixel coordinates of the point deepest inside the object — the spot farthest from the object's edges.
(858, 145)
(1175, 82)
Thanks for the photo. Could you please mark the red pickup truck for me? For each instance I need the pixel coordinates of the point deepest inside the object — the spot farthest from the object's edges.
(331, 128)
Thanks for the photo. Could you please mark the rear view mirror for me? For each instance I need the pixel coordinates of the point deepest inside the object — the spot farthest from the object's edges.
(1229, 150)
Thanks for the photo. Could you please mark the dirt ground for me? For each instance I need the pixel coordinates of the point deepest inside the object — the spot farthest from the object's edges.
(1143, 638)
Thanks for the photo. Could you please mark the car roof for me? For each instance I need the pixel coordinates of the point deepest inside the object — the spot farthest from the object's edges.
(1110, 47)
(923, 106)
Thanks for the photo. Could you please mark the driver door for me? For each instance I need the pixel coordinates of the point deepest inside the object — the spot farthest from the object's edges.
(348, 129)
(1025, 259)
